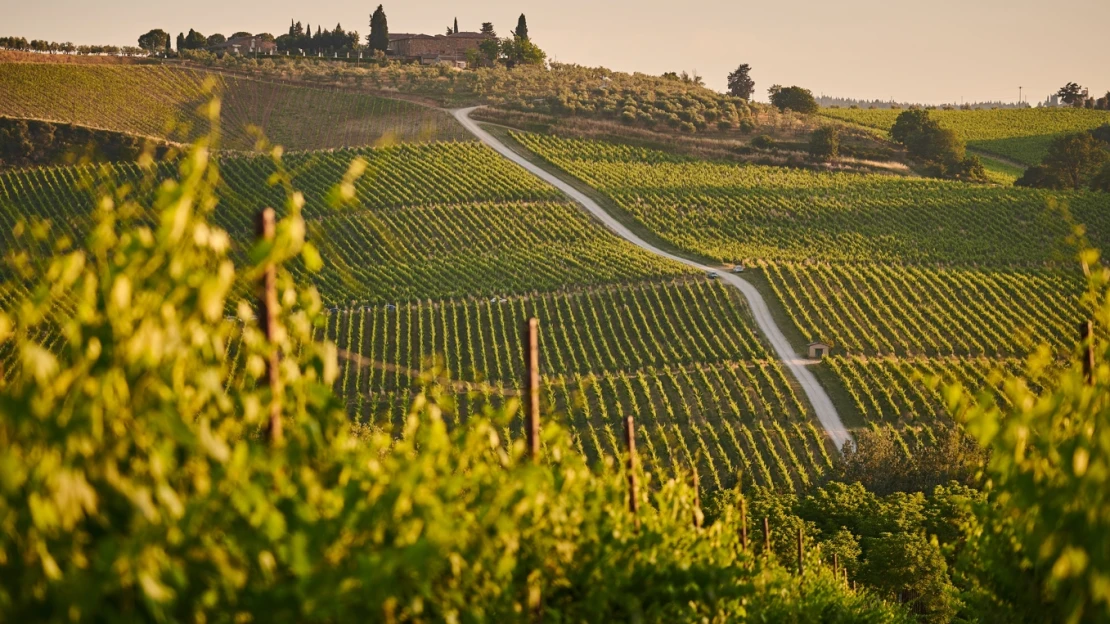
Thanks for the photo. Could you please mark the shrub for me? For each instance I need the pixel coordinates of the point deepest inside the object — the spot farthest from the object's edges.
(824, 143)
(763, 141)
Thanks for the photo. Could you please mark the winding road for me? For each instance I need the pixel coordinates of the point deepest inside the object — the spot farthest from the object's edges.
(820, 401)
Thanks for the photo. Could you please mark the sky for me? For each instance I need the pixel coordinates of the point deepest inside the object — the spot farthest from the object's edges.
(930, 52)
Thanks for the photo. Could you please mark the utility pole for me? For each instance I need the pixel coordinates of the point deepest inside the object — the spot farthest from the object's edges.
(1019, 97)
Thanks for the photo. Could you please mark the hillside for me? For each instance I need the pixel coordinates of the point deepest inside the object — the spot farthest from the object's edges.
(163, 102)
(908, 280)
(444, 252)
(1022, 135)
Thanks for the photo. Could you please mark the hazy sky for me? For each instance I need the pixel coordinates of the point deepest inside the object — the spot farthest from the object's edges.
(926, 51)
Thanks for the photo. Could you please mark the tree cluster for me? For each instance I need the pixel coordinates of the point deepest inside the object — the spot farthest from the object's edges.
(300, 38)
(940, 150)
(509, 51)
(1074, 161)
(1073, 95)
(52, 47)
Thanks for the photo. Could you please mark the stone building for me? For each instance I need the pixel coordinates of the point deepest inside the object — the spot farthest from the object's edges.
(244, 45)
(431, 49)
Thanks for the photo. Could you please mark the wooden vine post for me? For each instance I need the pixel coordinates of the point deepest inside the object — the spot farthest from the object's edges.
(766, 537)
(532, 381)
(801, 552)
(697, 497)
(743, 523)
(267, 318)
(1087, 333)
(633, 483)
(836, 566)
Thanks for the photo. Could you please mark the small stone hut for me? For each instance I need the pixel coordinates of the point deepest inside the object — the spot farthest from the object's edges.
(818, 350)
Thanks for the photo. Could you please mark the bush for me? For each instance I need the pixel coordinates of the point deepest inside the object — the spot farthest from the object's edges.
(763, 141)
(824, 143)
(747, 126)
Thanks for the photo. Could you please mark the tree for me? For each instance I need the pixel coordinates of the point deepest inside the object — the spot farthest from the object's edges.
(456, 25)
(241, 34)
(379, 30)
(795, 98)
(1076, 158)
(517, 51)
(180, 43)
(195, 40)
(824, 143)
(1040, 176)
(521, 31)
(487, 29)
(155, 40)
(740, 83)
(1071, 94)
(1101, 180)
(905, 566)
(216, 39)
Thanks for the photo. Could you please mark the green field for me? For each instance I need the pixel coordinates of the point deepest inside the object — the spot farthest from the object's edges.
(1022, 135)
(162, 102)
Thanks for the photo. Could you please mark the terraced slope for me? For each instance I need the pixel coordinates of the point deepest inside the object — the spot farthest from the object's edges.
(1018, 134)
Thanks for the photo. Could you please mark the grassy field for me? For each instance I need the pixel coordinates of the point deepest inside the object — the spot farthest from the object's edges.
(1022, 135)
(162, 102)
(447, 248)
(913, 282)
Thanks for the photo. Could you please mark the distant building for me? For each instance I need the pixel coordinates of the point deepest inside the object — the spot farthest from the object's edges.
(435, 49)
(244, 45)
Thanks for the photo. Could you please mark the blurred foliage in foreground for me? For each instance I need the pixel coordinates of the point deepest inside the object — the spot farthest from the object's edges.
(136, 483)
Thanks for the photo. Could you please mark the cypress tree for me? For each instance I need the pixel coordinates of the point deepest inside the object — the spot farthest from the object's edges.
(456, 25)
(521, 31)
(180, 42)
(379, 30)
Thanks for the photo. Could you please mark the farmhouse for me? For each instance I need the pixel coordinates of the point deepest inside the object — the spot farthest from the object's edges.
(432, 49)
(244, 45)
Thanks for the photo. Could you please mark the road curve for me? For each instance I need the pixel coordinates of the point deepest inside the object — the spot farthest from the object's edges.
(822, 406)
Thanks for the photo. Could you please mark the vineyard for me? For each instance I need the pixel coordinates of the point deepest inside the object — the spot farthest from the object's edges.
(739, 213)
(448, 220)
(444, 252)
(1019, 134)
(914, 283)
(678, 355)
(162, 102)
